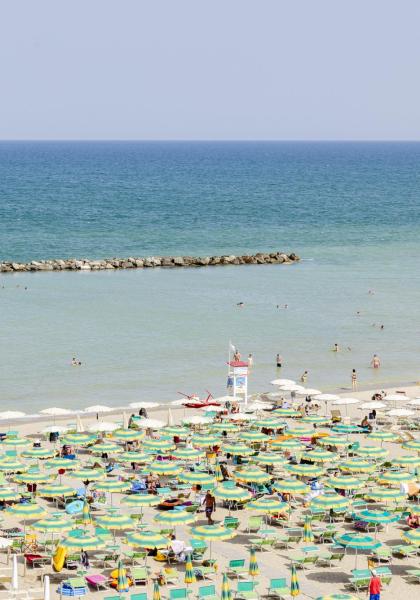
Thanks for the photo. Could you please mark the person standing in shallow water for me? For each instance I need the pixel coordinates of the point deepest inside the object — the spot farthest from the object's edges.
(375, 362)
(354, 380)
(304, 377)
(279, 361)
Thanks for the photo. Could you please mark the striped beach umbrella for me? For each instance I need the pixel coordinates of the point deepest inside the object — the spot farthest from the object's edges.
(141, 500)
(412, 445)
(212, 533)
(56, 490)
(357, 465)
(338, 597)
(62, 463)
(40, 453)
(317, 419)
(86, 517)
(7, 495)
(115, 522)
(175, 430)
(128, 435)
(218, 475)
(27, 511)
(88, 474)
(300, 431)
(205, 441)
(134, 457)
(377, 516)
(269, 423)
(225, 426)
(11, 465)
(372, 452)
(357, 541)
(291, 444)
(294, 583)
(320, 455)
(268, 505)
(106, 448)
(81, 540)
(408, 460)
(159, 445)
(53, 525)
(122, 580)
(308, 536)
(303, 470)
(396, 477)
(286, 412)
(198, 477)
(16, 442)
(156, 590)
(412, 536)
(35, 477)
(345, 482)
(346, 428)
(188, 454)
(79, 439)
(333, 440)
(147, 539)
(165, 467)
(251, 475)
(231, 493)
(383, 436)
(112, 485)
(238, 449)
(291, 486)
(330, 502)
(386, 495)
(254, 437)
(189, 571)
(226, 591)
(172, 518)
(253, 565)
(269, 458)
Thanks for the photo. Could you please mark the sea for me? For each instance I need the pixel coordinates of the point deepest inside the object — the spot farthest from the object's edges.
(351, 211)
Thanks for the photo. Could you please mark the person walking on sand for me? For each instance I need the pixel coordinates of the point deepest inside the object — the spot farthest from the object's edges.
(375, 586)
(210, 506)
(375, 363)
(354, 380)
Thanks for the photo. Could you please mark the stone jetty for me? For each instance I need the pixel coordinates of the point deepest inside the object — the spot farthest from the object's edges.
(73, 264)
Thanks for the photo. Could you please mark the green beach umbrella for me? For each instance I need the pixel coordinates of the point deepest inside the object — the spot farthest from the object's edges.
(55, 490)
(337, 597)
(27, 511)
(141, 500)
(346, 428)
(7, 495)
(188, 454)
(41, 453)
(79, 439)
(147, 539)
(122, 580)
(172, 518)
(254, 436)
(231, 493)
(372, 452)
(205, 440)
(308, 536)
(412, 445)
(269, 423)
(330, 502)
(159, 445)
(303, 470)
(156, 590)
(357, 465)
(225, 426)
(53, 525)
(112, 485)
(81, 540)
(238, 449)
(300, 431)
(386, 495)
(286, 412)
(412, 536)
(62, 463)
(134, 457)
(377, 516)
(115, 522)
(175, 430)
(268, 505)
(88, 474)
(291, 486)
(270, 458)
(357, 541)
(198, 477)
(16, 442)
(383, 436)
(251, 475)
(164, 467)
(396, 477)
(321, 456)
(333, 440)
(408, 460)
(318, 420)
(189, 572)
(212, 533)
(253, 565)
(226, 591)
(128, 435)
(11, 465)
(345, 482)
(218, 475)
(294, 583)
(35, 477)
(292, 445)
(106, 448)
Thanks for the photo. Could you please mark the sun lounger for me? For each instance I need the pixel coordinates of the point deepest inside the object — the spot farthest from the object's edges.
(236, 568)
(97, 581)
(304, 561)
(140, 575)
(413, 574)
(207, 592)
(404, 550)
(205, 572)
(74, 587)
(247, 590)
(278, 588)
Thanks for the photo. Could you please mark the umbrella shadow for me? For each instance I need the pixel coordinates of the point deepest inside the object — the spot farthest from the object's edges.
(327, 576)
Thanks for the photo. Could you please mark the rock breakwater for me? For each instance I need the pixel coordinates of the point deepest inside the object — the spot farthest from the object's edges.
(72, 264)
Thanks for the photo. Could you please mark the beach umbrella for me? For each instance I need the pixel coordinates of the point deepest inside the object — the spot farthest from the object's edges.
(268, 505)
(53, 525)
(345, 482)
(15, 574)
(218, 475)
(128, 435)
(134, 457)
(253, 565)
(372, 452)
(198, 477)
(270, 458)
(326, 397)
(308, 392)
(112, 485)
(158, 446)
(106, 448)
(320, 455)
(205, 440)
(357, 541)
(383, 436)
(47, 595)
(97, 408)
(150, 423)
(122, 580)
(283, 382)
(231, 493)
(226, 591)
(303, 470)
(55, 411)
(82, 540)
(225, 426)
(189, 571)
(175, 430)
(88, 474)
(315, 419)
(345, 401)
(11, 465)
(396, 477)
(412, 445)
(141, 500)
(172, 518)
(156, 590)
(414, 402)
(115, 522)
(346, 428)
(35, 477)
(86, 517)
(55, 490)
(300, 431)
(294, 583)
(338, 597)
(412, 536)
(386, 495)
(103, 427)
(26, 512)
(251, 475)
(291, 486)
(269, 423)
(286, 412)
(238, 449)
(254, 437)
(333, 440)
(407, 460)
(377, 516)
(147, 539)
(188, 454)
(78, 439)
(9, 415)
(79, 425)
(40, 453)
(357, 465)
(373, 405)
(62, 463)
(7, 495)
(16, 442)
(211, 533)
(308, 536)
(330, 502)
(165, 467)
(55, 429)
(291, 445)
(400, 412)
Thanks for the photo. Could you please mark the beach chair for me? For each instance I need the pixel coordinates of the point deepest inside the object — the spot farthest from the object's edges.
(254, 524)
(97, 581)
(231, 522)
(247, 590)
(170, 575)
(404, 550)
(179, 593)
(359, 582)
(382, 554)
(304, 561)
(205, 572)
(75, 587)
(278, 588)
(236, 568)
(135, 556)
(413, 574)
(263, 543)
(140, 575)
(142, 596)
(207, 592)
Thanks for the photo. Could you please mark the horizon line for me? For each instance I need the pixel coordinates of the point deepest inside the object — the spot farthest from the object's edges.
(219, 140)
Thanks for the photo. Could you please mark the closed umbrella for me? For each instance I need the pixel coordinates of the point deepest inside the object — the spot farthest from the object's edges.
(122, 580)
(189, 572)
(226, 591)
(156, 590)
(47, 591)
(15, 574)
(253, 565)
(294, 583)
(308, 536)
(86, 517)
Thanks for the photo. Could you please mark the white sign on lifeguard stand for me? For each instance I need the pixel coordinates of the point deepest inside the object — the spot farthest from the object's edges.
(238, 379)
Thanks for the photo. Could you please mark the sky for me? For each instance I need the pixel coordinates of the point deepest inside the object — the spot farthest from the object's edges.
(210, 69)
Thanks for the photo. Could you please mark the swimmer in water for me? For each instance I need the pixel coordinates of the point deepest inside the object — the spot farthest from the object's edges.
(304, 377)
(240, 304)
(336, 348)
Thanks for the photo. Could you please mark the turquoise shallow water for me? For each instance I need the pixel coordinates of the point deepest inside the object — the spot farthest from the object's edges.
(351, 210)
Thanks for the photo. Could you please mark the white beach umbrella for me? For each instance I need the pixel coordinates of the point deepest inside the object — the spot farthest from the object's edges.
(213, 408)
(15, 574)
(400, 412)
(5, 542)
(273, 396)
(282, 382)
(11, 414)
(103, 426)
(97, 408)
(396, 398)
(144, 404)
(373, 405)
(80, 428)
(55, 429)
(308, 392)
(223, 399)
(150, 424)
(197, 420)
(257, 405)
(414, 402)
(56, 411)
(326, 397)
(47, 593)
(292, 387)
(345, 401)
(242, 417)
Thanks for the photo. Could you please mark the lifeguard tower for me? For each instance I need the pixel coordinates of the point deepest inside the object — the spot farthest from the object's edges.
(238, 379)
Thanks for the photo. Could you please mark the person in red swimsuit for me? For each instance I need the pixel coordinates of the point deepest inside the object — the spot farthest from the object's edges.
(374, 586)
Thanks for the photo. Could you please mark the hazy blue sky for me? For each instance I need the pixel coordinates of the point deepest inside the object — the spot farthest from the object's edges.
(195, 69)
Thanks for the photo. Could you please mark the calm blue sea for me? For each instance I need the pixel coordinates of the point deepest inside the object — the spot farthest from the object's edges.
(351, 210)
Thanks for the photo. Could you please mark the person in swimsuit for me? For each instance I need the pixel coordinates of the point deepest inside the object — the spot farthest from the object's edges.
(354, 380)
(210, 506)
(375, 362)
(304, 377)
(278, 361)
